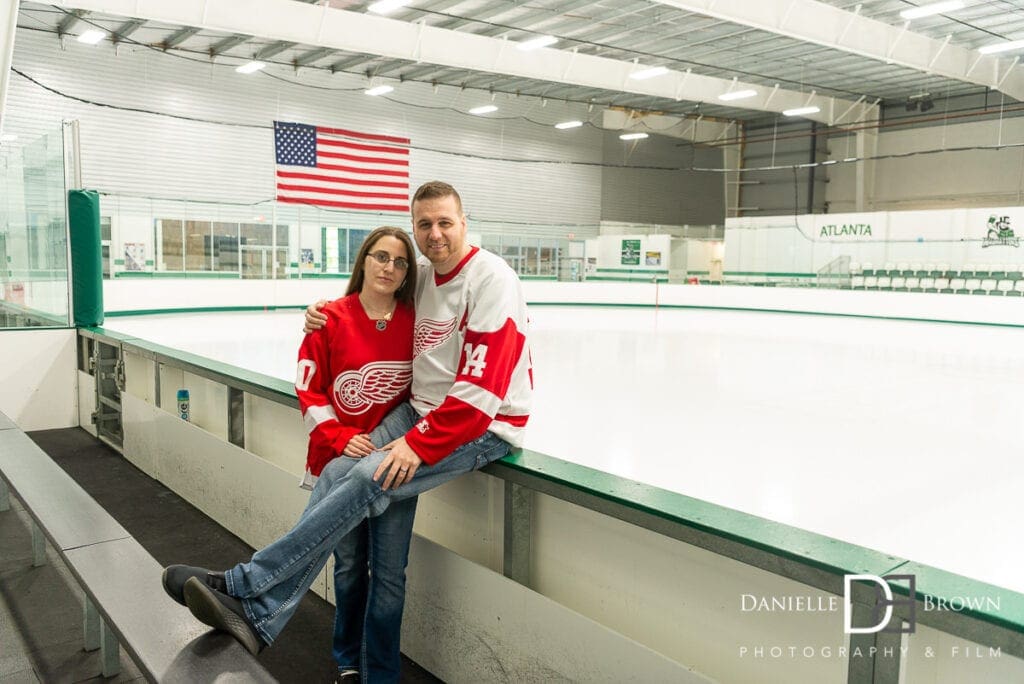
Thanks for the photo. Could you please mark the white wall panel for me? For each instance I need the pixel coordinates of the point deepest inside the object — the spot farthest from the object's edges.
(38, 378)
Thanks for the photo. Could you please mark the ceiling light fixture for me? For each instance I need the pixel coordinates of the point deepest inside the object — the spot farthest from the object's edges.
(1001, 47)
(378, 90)
(8, 137)
(737, 95)
(386, 6)
(568, 124)
(538, 42)
(485, 109)
(250, 67)
(92, 36)
(934, 8)
(632, 136)
(800, 111)
(644, 74)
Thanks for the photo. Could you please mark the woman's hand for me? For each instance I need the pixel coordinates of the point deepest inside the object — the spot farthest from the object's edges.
(358, 447)
(314, 319)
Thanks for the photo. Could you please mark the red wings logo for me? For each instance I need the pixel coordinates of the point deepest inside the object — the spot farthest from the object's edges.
(375, 383)
(431, 334)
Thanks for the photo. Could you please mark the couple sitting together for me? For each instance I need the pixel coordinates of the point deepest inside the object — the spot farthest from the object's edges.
(420, 373)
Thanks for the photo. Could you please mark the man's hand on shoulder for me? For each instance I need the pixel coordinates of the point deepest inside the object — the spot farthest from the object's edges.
(314, 318)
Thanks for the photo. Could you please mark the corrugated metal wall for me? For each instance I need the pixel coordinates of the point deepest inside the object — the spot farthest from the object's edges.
(508, 169)
(657, 196)
(783, 192)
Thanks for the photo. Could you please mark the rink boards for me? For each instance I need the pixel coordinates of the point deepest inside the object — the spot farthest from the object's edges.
(705, 457)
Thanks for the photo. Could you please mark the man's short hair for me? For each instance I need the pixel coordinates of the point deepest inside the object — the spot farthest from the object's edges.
(436, 190)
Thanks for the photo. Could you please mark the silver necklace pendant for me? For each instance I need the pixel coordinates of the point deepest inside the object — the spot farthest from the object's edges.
(382, 324)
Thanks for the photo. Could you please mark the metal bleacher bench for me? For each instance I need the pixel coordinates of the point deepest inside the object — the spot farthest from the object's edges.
(124, 601)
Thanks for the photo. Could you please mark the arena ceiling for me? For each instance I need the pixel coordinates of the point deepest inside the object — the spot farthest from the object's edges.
(844, 57)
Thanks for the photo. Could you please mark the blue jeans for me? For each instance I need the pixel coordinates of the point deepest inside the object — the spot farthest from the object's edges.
(368, 614)
(273, 582)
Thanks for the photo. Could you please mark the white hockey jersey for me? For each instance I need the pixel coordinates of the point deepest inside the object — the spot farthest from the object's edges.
(471, 357)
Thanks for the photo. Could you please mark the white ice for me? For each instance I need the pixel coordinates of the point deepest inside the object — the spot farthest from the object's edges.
(903, 437)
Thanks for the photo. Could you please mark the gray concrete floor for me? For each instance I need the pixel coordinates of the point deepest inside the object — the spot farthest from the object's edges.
(41, 608)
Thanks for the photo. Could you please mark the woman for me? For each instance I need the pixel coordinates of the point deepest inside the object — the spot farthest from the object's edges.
(350, 375)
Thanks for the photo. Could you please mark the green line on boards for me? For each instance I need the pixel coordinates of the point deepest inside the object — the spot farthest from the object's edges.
(223, 275)
(203, 309)
(771, 274)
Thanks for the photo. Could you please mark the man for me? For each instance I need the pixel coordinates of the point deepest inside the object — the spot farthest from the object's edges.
(469, 310)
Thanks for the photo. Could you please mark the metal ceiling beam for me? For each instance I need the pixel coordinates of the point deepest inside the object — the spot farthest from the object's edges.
(222, 46)
(126, 29)
(817, 22)
(348, 63)
(275, 48)
(69, 21)
(179, 37)
(323, 26)
(307, 58)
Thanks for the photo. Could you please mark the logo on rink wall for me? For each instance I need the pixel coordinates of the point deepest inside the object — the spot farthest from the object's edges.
(999, 233)
(834, 230)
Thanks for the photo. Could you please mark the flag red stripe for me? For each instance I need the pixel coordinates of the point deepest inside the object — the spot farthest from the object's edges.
(339, 191)
(365, 148)
(347, 205)
(365, 160)
(356, 169)
(339, 179)
(362, 136)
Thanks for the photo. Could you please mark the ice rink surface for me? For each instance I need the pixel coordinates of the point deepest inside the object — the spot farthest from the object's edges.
(904, 437)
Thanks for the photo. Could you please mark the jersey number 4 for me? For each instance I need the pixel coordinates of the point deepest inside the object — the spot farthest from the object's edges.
(476, 356)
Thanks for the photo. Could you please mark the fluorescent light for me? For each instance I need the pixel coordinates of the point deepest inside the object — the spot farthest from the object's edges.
(250, 67)
(800, 111)
(1001, 47)
(934, 8)
(644, 74)
(378, 90)
(632, 136)
(538, 42)
(92, 36)
(568, 124)
(830, 161)
(485, 109)
(737, 95)
(386, 6)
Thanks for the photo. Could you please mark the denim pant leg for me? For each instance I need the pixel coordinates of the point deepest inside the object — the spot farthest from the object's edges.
(368, 619)
(350, 578)
(275, 579)
(390, 536)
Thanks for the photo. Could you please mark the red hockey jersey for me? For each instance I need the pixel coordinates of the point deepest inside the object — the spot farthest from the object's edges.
(350, 375)
(471, 370)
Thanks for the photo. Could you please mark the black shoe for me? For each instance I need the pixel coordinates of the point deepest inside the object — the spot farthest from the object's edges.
(175, 576)
(348, 677)
(223, 612)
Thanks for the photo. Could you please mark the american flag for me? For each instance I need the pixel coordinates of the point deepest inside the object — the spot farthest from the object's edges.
(337, 168)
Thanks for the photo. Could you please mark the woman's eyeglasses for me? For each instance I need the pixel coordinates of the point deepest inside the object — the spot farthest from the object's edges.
(382, 258)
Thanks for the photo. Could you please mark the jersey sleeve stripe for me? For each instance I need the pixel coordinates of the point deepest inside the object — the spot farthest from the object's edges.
(477, 397)
(318, 414)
